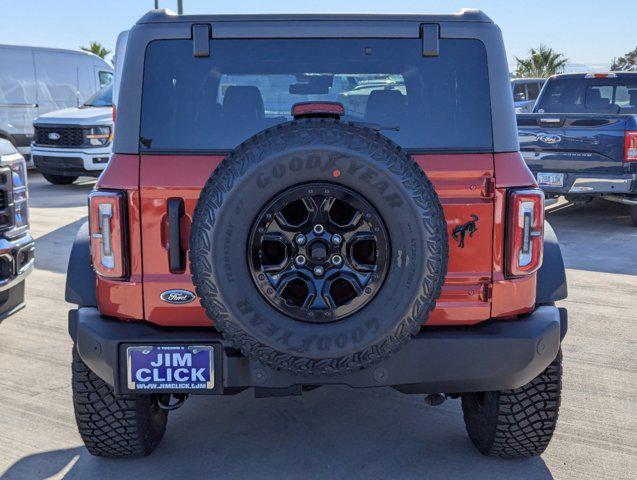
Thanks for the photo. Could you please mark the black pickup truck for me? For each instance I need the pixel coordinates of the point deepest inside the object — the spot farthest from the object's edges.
(581, 139)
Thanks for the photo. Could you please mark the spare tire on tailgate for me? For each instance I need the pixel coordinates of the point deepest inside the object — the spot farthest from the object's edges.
(318, 247)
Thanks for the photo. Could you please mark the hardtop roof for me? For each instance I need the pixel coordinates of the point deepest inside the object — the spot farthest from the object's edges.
(168, 16)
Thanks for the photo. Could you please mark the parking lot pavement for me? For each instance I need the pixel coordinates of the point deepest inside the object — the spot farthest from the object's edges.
(330, 432)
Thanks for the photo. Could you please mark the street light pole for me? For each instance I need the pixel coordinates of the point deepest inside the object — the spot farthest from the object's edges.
(156, 4)
(180, 7)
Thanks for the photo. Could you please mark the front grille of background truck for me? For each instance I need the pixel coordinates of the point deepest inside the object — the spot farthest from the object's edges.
(6, 215)
(68, 136)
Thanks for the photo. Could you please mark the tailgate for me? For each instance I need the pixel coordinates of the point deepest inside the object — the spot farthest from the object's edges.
(464, 184)
(584, 143)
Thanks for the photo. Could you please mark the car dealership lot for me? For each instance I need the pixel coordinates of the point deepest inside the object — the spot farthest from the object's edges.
(331, 432)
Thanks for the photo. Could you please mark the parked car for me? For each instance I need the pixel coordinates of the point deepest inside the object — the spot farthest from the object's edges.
(16, 244)
(76, 141)
(525, 93)
(36, 80)
(581, 139)
(401, 246)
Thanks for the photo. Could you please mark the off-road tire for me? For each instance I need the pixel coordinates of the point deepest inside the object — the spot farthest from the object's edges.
(59, 179)
(516, 423)
(633, 214)
(114, 426)
(224, 200)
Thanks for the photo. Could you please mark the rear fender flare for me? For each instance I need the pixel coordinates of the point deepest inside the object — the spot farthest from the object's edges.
(80, 276)
(551, 277)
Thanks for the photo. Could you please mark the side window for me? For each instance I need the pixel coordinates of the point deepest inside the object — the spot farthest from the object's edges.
(519, 93)
(533, 90)
(106, 78)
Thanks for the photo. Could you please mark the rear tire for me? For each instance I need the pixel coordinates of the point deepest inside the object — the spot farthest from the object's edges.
(516, 423)
(59, 179)
(633, 214)
(114, 426)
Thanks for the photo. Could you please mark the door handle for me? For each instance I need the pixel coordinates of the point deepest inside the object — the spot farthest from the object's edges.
(176, 256)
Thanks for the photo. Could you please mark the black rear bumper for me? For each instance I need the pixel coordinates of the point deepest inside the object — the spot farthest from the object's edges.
(492, 356)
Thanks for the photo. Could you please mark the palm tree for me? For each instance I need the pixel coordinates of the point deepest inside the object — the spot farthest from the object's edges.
(97, 49)
(627, 63)
(541, 63)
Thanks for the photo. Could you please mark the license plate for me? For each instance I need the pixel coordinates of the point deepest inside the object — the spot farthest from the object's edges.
(550, 179)
(171, 367)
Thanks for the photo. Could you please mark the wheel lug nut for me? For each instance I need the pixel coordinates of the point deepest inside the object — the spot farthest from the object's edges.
(300, 239)
(318, 229)
(336, 239)
(300, 260)
(318, 271)
(337, 260)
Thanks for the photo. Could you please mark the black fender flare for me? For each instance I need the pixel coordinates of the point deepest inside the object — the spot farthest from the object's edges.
(80, 276)
(551, 277)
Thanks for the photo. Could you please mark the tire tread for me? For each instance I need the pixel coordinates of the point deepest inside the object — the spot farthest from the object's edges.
(110, 425)
(520, 422)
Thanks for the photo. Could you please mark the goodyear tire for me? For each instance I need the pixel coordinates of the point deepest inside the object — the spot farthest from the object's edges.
(321, 155)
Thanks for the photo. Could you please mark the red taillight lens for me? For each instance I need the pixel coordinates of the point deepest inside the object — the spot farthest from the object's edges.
(630, 152)
(525, 231)
(107, 228)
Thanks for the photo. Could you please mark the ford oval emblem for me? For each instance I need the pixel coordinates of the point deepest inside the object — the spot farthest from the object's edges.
(177, 297)
(550, 139)
(54, 136)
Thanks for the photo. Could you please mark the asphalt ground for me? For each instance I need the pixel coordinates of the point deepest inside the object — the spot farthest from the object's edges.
(331, 432)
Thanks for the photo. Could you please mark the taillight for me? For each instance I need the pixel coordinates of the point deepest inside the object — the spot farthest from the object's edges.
(525, 231)
(107, 231)
(630, 152)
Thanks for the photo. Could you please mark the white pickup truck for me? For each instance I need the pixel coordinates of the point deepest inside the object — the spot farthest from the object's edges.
(74, 142)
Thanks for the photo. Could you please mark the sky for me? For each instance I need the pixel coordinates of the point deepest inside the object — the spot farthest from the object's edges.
(587, 32)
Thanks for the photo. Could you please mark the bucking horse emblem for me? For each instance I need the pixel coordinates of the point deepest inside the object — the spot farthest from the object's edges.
(460, 232)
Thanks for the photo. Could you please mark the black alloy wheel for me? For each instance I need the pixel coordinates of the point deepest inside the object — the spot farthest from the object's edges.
(318, 252)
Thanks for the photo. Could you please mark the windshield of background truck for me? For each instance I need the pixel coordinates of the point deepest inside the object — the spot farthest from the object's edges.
(245, 86)
(589, 95)
(103, 98)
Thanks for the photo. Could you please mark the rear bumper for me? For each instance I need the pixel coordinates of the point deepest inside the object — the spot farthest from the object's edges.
(70, 162)
(492, 356)
(593, 184)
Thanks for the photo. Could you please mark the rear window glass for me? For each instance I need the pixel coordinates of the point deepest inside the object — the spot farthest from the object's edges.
(244, 86)
(589, 95)
(533, 90)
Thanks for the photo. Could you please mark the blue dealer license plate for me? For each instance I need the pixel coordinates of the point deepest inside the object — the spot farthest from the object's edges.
(170, 367)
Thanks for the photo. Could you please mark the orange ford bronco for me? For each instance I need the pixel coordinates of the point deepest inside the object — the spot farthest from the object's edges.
(304, 200)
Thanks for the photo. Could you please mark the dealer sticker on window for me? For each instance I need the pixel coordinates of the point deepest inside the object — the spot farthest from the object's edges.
(170, 367)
